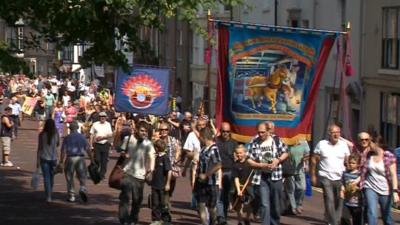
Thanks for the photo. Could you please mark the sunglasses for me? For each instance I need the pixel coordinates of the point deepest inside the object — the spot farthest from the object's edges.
(366, 139)
(163, 129)
(225, 131)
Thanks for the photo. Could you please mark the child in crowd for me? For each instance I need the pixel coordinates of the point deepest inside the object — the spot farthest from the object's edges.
(353, 207)
(160, 184)
(241, 174)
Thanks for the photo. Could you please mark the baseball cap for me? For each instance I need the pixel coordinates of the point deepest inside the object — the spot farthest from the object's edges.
(102, 114)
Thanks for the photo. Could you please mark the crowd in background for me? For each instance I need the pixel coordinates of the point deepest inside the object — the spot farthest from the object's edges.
(259, 180)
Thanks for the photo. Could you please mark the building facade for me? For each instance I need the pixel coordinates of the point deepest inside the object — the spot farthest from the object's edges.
(40, 59)
(381, 69)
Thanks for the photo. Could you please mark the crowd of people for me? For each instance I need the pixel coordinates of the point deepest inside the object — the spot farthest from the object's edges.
(78, 121)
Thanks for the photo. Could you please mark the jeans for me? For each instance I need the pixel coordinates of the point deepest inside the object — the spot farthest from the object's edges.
(270, 193)
(131, 188)
(48, 168)
(385, 203)
(101, 152)
(158, 204)
(295, 187)
(72, 164)
(49, 111)
(332, 201)
(223, 198)
(15, 119)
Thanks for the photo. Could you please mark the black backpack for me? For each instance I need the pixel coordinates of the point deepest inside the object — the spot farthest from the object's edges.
(288, 165)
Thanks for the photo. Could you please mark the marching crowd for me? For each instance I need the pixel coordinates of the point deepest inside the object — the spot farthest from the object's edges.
(254, 179)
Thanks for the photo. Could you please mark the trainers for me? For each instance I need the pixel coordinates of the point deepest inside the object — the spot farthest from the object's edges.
(71, 199)
(8, 164)
(83, 195)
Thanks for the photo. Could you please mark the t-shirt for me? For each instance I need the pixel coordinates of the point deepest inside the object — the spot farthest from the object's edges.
(226, 149)
(49, 100)
(208, 158)
(75, 144)
(161, 168)
(139, 155)
(352, 196)
(241, 170)
(332, 158)
(192, 144)
(297, 152)
(101, 129)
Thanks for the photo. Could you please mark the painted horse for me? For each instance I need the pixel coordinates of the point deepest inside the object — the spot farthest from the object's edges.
(260, 86)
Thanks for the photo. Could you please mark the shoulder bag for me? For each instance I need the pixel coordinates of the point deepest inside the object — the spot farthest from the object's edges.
(117, 174)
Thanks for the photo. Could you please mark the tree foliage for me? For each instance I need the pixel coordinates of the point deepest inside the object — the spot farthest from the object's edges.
(101, 22)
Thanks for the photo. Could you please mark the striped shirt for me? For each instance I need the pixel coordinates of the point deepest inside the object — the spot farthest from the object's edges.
(209, 157)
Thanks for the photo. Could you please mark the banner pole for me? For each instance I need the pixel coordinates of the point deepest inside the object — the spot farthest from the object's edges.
(208, 61)
(277, 27)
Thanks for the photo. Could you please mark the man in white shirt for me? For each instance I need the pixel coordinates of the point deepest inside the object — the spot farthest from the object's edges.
(16, 111)
(330, 156)
(100, 135)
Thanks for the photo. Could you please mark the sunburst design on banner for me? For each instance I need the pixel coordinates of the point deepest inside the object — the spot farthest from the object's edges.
(142, 90)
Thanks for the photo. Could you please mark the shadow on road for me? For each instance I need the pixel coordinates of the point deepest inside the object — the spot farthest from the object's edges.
(20, 205)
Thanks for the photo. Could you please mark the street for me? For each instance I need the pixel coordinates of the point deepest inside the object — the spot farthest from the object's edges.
(20, 204)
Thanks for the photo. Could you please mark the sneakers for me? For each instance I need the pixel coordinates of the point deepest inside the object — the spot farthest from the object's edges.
(7, 164)
(83, 195)
(71, 198)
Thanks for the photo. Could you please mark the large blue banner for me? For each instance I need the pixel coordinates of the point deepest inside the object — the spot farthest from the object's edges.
(142, 90)
(270, 75)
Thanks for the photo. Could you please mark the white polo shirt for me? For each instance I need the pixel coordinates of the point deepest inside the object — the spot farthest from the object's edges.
(332, 158)
(100, 130)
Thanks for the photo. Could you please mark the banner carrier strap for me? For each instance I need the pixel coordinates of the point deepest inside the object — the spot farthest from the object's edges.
(276, 27)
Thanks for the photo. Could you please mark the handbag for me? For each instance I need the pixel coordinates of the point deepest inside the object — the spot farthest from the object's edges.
(94, 173)
(176, 170)
(117, 174)
(36, 179)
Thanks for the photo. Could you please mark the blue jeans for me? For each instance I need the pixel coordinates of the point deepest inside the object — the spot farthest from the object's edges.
(75, 164)
(48, 167)
(295, 187)
(223, 198)
(270, 193)
(385, 203)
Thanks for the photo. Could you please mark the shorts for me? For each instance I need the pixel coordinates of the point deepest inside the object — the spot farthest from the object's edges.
(205, 193)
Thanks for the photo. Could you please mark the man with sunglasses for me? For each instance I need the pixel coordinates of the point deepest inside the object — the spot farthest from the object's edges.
(266, 153)
(226, 146)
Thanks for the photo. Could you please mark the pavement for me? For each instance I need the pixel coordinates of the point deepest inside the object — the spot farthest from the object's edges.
(21, 205)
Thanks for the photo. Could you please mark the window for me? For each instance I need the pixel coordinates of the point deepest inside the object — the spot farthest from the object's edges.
(390, 118)
(390, 39)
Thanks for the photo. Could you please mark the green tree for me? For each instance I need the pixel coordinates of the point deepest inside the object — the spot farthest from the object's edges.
(100, 23)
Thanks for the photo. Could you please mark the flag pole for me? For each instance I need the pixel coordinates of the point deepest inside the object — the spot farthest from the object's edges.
(208, 62)
(265, 26)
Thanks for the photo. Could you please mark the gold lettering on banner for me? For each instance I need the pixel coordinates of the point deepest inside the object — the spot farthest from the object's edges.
(240, 46)
(247, 116)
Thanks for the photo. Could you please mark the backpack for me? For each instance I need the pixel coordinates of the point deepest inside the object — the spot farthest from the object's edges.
(288, 165)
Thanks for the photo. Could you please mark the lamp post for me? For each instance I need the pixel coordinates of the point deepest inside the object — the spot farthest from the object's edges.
(19, 33)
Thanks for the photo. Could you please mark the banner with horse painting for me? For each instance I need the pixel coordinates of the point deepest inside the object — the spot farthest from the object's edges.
(142, 90)
(269, 74)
